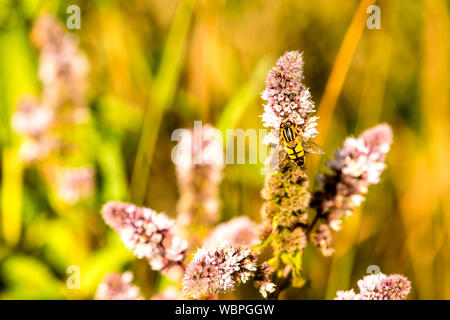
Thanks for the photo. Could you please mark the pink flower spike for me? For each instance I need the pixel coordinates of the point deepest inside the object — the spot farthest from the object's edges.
(148, 234)
(117, 286)
(216, 269)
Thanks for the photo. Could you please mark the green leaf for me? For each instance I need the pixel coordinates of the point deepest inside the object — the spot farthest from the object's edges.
(275, 263)
(294, 260)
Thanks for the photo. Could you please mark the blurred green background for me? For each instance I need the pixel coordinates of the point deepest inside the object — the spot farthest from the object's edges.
(158, 65)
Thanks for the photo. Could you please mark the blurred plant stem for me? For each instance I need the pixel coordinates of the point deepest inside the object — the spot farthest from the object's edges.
(338, 73)
(283, 282)
(161, 97)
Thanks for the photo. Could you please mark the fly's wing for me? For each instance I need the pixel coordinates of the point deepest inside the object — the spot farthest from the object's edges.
(312, 147)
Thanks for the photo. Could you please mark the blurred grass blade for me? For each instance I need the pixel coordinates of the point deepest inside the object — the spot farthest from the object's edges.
(372, 96)
(113, 170)
(240, 102)
(110, 258)
(369, 114)
(339, 71)
(161, 97)
(11, 195)
(326, 109)
(15, 80)
(435, 121)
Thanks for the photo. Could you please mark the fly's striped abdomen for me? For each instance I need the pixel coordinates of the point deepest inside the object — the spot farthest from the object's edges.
(296, 153)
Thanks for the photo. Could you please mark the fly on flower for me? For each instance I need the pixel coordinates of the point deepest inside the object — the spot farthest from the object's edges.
(295, 145)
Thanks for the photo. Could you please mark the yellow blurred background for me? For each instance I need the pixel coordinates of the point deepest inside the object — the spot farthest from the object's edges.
(158, 65)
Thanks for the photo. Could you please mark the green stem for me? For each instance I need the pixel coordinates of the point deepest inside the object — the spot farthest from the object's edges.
(313, 224)
(284, 281)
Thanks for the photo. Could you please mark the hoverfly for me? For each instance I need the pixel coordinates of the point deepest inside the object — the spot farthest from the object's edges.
(294, 144)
